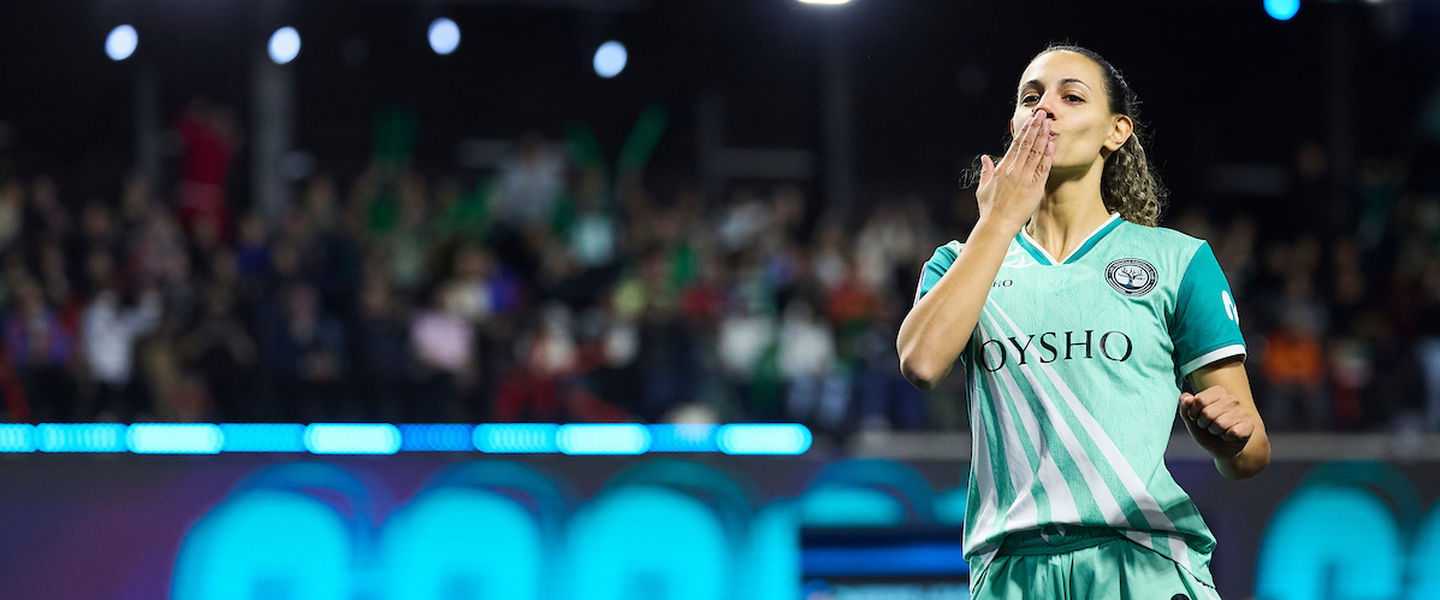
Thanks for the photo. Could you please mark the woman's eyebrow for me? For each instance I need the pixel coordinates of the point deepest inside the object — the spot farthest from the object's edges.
(1035, 83)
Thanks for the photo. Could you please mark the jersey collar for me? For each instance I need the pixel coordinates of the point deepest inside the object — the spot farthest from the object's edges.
(1041, 256)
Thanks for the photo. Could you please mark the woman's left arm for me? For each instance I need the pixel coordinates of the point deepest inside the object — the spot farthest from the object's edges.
(1222, 418)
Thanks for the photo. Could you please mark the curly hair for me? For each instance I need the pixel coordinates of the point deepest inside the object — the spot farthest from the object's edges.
(1129, 183)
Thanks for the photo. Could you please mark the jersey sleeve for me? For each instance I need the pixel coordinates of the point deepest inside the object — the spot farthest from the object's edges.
(1206, 324)
(936, 267)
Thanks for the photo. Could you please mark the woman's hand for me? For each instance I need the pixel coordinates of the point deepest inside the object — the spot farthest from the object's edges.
(1223, 420)
(1010, 192)
(1221, 414)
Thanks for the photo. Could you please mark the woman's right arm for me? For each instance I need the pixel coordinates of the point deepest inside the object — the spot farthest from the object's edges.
(938, 327)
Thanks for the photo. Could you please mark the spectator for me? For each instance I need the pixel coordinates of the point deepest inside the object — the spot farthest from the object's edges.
(548, 356)
(1294, 366)
(210, 135)
(530, 182)
(306, 352)
(226, 358)
(444, 345)
(112, 324)
(40, 348)
(12, 213)
(381, 354)
(1428, 347)
(807, 358)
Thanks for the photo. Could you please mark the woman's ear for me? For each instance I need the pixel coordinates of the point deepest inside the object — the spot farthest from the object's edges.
(1120, 133)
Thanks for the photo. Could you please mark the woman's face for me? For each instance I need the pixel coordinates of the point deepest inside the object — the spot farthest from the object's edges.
(1071, 90)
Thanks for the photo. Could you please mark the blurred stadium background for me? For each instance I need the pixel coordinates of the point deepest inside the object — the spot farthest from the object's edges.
(525, 299)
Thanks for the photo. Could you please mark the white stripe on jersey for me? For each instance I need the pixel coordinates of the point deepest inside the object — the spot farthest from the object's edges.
(1140, 537)
(1062, 503)
(1149, 507)
(984, 478)
(1021, 514)
(1104, 499)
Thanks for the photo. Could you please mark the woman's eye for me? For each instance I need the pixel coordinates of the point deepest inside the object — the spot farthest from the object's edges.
(1028, 98)
(1074, 98)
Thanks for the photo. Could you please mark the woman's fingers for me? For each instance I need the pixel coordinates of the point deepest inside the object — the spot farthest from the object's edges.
(1035, 146)
(1020, 145)
(987, 169)
(1047, 159)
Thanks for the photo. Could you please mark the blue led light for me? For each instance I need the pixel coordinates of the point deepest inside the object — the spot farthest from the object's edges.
(777, 438)
(683, 438)
(81, 437)
(622, 438)
(384, 438)
(175, 438)
(1282, 10)
(436, 438)
(352, 438)
(516, 438)
(263, 437)
(916, 559)
(17, 438)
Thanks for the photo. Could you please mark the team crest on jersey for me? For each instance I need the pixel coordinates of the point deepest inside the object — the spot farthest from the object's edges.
(1131, 276)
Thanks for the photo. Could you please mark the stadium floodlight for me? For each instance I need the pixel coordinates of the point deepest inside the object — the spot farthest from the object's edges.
(825, 2)
(1282, 10)
(444, 36)
(610, 59)
(284, 45)
(121, 42)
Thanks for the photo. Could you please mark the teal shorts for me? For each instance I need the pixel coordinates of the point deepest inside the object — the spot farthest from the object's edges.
(1083, 563)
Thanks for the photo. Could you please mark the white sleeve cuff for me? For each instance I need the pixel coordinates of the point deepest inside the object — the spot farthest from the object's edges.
(1210, 357)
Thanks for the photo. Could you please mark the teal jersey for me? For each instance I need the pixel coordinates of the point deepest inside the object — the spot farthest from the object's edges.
(1074, 373)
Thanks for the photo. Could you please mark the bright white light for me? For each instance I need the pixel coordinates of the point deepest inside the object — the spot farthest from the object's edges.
(619, 438)
(610, 59)
(444, 36)
(764, 438)
(121, 42)
(175, 438)
(825, 2)
(352, 438)
(284, 45)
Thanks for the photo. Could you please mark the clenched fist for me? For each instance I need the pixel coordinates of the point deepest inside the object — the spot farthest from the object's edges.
(1218, 413)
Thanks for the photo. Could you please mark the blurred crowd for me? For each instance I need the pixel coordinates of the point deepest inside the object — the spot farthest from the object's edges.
(554, 290)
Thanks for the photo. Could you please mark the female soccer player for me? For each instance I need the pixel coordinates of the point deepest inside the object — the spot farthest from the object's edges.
(1077, 322)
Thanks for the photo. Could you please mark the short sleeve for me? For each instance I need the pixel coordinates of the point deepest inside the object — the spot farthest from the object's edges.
(936, 267)
(1206, 324)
